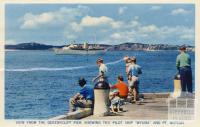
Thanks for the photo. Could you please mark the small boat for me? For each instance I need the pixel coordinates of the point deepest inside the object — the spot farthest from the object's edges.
(84, 49)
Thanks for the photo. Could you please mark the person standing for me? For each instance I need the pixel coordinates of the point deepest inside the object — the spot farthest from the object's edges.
(127, 64)
(101, 91)
(183, 64)
(84, 98)
(134, 71)
(102, 76)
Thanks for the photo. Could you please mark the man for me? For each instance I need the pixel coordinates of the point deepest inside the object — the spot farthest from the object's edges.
(83, 99)
(128, 63)
(121, 86)
(134, 71)
(122, 93)
(183, 64)
(102, 76)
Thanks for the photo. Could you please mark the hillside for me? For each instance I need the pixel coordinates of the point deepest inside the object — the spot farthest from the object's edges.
(125, 46)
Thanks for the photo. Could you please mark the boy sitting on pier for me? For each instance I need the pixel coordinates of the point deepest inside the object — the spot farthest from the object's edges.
(83, 99)
(115, 101)
(121, 87)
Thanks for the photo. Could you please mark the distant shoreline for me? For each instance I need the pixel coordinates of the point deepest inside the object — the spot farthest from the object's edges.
(10, 50)
(120, 47)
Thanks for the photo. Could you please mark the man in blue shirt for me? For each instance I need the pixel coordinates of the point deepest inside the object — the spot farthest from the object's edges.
(134, 71)
(83, 99)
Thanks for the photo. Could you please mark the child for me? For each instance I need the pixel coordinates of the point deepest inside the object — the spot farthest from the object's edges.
(134, 71)
(122, 91)
(115, 101)
(121, 87)
(128, 63)
(103, 70)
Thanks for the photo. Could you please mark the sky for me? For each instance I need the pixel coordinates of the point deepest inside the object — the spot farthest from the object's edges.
(59, 24)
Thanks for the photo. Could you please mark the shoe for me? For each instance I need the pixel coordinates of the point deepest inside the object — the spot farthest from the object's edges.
(133, 101)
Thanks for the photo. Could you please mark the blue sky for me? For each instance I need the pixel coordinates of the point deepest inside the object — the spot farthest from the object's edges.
(58, 24)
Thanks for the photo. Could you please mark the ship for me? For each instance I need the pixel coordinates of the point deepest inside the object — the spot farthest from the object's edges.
(84, 49)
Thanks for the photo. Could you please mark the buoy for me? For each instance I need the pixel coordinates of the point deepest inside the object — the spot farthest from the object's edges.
(101, 99)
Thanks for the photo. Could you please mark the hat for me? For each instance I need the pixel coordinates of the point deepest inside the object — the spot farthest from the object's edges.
(100, 60)
(182, 48)
(126, 58)
(133, 59)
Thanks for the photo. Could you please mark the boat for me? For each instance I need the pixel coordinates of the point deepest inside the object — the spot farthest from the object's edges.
(84, 49)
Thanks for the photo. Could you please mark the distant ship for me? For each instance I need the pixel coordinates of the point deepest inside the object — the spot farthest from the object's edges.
(84, 49)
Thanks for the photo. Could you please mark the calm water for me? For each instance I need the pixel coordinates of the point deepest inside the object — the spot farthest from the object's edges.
(38, 84)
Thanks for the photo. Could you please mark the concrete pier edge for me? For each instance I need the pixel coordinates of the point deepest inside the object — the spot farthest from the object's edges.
(88, 111)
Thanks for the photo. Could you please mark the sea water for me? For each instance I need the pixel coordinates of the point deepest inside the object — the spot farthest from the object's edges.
(38, 84)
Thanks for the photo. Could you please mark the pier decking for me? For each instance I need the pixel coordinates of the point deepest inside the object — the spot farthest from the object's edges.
(154, 106)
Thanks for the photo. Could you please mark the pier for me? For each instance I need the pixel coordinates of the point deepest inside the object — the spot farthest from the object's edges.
(154, 106)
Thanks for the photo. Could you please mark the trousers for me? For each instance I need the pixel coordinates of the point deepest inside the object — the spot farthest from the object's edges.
(186, 79)
(83, 103)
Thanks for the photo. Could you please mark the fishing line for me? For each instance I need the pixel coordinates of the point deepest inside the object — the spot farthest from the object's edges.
(48, 69)
(59, 69)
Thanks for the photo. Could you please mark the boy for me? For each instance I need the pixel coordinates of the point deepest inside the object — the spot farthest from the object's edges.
(84, 98)
(121, 86)
(134, 71)
(102, 71)
(116, 98)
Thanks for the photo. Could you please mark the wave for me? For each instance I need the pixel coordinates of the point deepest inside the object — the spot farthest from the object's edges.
(59, 69)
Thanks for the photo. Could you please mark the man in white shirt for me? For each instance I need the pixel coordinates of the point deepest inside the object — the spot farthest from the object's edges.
(102, 71)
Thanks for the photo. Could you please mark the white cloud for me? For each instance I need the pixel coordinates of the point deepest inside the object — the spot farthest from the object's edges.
(95, 21)
(155, 8)
(153, 34)
(123, 36)
(188, 34)
(63, 15)
(98, 21)
(116, 24)
(187, 37)
(179, 11)
(133, 23)
(122, 10)
(148, 29)
(116, 36)
(89, 21)
(176, 34)
(33, 21)
(76, 27)
(77, 24)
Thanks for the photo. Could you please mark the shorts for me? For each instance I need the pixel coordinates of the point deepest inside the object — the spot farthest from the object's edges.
(134, 85)
(115, 101)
